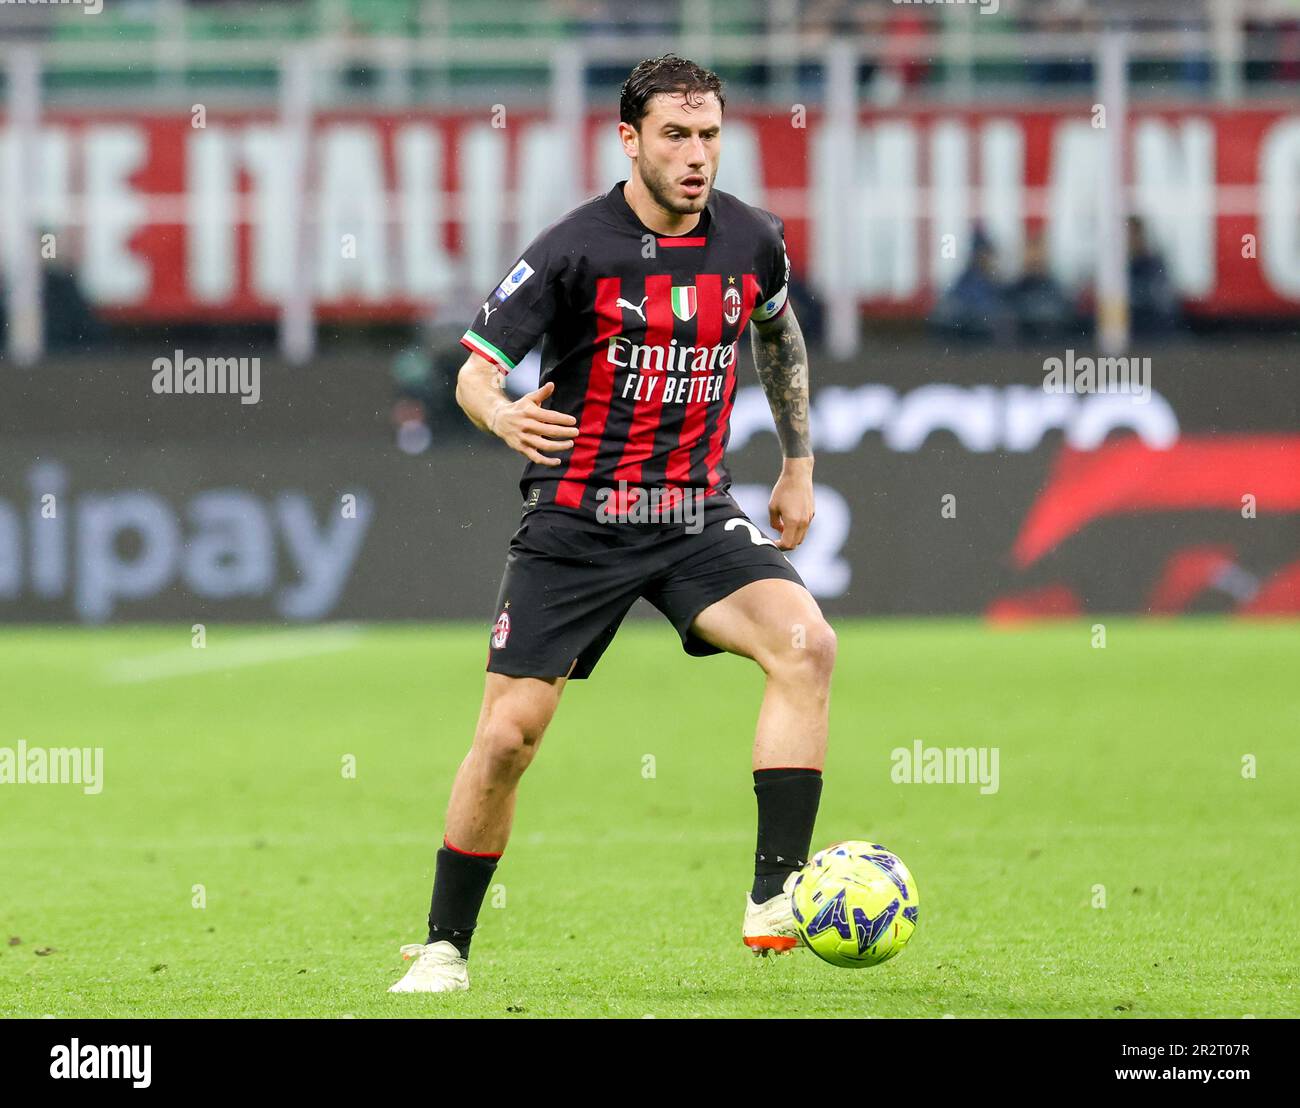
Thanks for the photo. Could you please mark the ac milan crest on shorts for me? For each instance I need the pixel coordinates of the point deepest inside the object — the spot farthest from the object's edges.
(501, 630)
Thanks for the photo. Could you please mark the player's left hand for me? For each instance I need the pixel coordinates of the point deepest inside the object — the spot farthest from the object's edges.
(790, 510)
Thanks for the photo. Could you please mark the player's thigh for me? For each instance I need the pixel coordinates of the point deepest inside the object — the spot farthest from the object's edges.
(516, 711)
(772, 621)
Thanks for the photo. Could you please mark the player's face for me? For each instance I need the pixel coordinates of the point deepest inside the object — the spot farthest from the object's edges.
(677, 150)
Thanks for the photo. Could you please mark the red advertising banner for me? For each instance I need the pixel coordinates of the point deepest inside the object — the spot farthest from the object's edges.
(391, 215)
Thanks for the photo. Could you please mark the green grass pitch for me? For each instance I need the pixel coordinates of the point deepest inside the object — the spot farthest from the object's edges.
(621, 892)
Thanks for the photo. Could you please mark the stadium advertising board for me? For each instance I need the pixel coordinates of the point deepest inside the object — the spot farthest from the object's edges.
(944, 486)
(407, 211)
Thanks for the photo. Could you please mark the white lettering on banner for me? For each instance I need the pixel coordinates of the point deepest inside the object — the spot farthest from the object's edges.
(1003, 201)
(880, 218)
(52, 181)
(351, 201)
(220, 544)
(549, 151)
(113, 273)
(1175, 197)
(381, 181)
(482, 156)
(269, 173)
(1073, 187)
(426, 268)
(951, 213)
(210, 175)
(1279, 224)
(983, 418)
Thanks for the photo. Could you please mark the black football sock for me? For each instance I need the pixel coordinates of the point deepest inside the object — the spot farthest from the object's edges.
(460, 881)
(787, 810)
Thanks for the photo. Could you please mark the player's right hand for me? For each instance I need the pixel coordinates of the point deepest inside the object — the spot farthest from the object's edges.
(527, 427)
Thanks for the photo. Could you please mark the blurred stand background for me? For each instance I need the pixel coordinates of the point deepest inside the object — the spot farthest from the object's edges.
(970, 192)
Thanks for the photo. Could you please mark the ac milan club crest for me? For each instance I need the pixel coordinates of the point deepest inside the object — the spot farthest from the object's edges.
(684, 302)
(501, 630)
(731, 305)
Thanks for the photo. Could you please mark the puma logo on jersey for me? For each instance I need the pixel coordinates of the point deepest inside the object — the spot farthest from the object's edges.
(638, 308)
(487, 310)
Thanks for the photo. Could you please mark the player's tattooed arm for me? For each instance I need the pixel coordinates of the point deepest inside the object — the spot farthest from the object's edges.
(782, 361)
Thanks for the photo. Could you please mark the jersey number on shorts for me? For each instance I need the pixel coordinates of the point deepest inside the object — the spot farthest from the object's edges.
(755, 535)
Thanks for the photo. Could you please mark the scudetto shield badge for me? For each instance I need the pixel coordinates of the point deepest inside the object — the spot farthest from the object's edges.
(684, 302)
(731, 305)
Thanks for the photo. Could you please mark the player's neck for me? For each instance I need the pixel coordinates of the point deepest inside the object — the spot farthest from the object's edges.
(649, 212)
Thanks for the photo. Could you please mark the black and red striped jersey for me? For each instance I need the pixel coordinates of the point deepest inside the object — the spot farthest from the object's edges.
(640, 333)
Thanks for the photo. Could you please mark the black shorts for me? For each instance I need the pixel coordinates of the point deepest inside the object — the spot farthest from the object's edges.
(570, 580)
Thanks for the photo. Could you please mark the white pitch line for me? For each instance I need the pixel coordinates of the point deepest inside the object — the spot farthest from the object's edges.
(248, 650)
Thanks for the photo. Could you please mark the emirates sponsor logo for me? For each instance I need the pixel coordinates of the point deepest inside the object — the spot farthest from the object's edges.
(679, 359)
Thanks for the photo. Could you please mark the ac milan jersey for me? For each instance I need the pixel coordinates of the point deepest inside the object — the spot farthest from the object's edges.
(640, 334)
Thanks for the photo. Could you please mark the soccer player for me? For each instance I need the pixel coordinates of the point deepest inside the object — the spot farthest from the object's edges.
(640, 297)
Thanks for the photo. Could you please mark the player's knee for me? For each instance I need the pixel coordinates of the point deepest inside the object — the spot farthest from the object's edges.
(821, 649)
(810, 657)
(508, 744)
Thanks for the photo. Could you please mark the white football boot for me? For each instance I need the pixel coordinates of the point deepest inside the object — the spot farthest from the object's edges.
(438, 968)
(769, 927)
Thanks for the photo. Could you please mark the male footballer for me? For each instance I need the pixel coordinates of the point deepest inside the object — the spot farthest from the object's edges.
(640, 298)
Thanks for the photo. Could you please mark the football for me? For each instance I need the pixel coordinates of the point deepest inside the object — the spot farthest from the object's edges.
(856, 904)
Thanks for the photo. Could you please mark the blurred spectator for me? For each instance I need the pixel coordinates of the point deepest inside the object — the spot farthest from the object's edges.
(70, 321)
(821, 22)
(1272, 51)
(588, 18)
(975, 306)
(1287, 68)
(424, 379)
(900, 71)
(1063, 70)
(1153, 303)
(1040, 305)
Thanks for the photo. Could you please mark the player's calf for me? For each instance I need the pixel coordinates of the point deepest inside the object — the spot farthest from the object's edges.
(788, 797)
(515, 714)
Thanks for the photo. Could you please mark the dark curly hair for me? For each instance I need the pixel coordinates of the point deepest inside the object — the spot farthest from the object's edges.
(666, 74)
